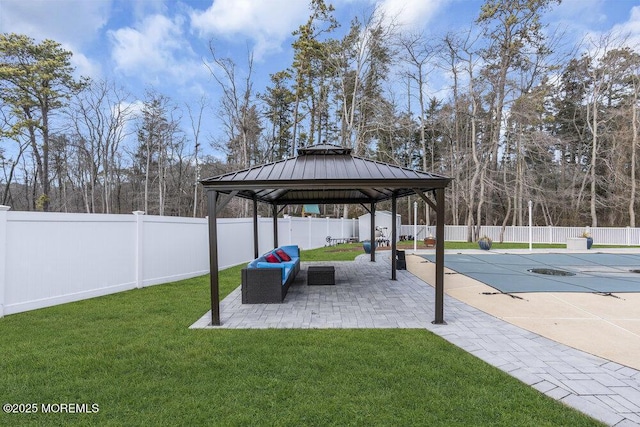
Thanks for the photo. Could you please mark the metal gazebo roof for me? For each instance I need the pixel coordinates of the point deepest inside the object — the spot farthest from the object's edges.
(326, 174)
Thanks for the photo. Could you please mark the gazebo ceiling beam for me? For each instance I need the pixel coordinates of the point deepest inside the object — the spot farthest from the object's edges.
(363, 191)
(348, 196)
(222, 203)
(327, 201)
(271, 193)
(424, 197)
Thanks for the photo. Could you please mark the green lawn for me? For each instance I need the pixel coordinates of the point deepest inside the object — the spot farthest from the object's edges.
(133, 354)
(408, 245)
(348, 251)
(494, 246)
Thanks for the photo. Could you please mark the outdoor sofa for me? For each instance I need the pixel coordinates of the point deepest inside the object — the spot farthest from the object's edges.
(267, 278)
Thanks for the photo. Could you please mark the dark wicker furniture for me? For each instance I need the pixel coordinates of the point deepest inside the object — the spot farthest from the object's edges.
(401, 260)
(264, 285)
(321, 275)
(266, 282)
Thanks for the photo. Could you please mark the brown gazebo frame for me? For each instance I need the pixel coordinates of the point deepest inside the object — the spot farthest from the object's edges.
(325, 174)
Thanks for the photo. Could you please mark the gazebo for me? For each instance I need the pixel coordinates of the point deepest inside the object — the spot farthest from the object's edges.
(325, 174)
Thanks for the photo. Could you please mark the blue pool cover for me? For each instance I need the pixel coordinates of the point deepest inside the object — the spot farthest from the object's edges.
(509, 273)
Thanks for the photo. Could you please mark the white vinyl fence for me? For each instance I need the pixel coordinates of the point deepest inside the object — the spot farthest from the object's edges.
(53, 258)
(625, 236)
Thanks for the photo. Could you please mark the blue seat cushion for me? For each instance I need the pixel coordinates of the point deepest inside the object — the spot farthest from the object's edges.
(254, 263)
(286, 269)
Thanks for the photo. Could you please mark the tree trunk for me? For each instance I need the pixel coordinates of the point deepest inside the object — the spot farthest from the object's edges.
(146, 178)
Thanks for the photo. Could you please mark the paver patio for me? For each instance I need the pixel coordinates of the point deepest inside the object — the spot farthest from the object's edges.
(365, 297)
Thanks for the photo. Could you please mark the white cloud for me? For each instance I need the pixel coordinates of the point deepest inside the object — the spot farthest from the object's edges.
(132, 108)
(579, 13)
(267, 22)
(630, 29)
(589, 22)
(156, 47)
(627, 33)
(410, 13)
(70, 22)
(85, 67)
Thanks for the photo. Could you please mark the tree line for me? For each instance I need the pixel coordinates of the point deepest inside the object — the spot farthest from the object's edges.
(523, 118)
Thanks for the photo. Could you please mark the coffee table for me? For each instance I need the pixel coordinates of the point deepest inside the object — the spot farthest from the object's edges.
(321, 275)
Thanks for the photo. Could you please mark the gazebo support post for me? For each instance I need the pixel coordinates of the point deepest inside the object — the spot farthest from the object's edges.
(275, 226)
(212, 201)
(372, 226)
(394, 246)
(438, 206)
(255, 228)
(439, 320)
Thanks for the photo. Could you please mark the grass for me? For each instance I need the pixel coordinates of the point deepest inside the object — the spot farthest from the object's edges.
(341, 252)
(133, 354)
(356, 248)
(348, 251)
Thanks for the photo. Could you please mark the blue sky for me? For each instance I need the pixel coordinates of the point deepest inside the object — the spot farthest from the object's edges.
(163, 44)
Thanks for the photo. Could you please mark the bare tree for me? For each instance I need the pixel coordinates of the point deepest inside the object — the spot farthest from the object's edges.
(157, 133)
(512, 28)
(235, 105)
(464, 60)
(419, 56)
(100, 117)
(309, 56)
(363, 61)
(195, 118)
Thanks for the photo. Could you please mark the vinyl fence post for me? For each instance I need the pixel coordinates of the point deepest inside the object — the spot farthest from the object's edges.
(530, 226)
(355, 228)
(326, 220)
(415, 226)
(3, 256)
(139, 247)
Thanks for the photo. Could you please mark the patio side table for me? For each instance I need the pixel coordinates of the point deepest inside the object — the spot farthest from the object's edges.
(321, 275)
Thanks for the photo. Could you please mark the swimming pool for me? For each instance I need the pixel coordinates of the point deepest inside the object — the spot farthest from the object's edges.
(511, 273)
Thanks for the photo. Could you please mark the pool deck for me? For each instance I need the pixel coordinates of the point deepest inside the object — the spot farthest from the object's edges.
(581, 349)
(607, 325)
